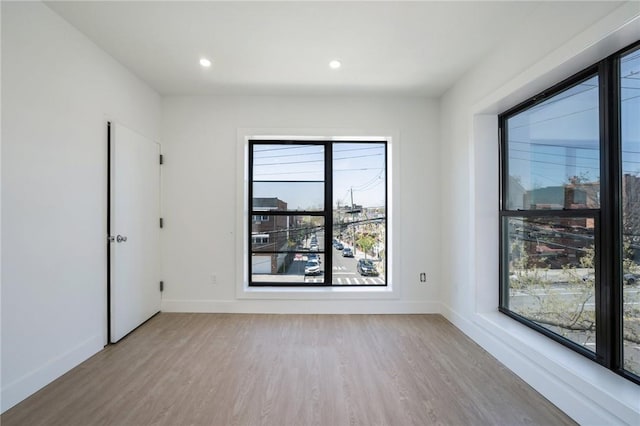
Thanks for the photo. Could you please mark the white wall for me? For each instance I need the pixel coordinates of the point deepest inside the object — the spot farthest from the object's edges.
(58, 91)
(203, 180)
(518, 69)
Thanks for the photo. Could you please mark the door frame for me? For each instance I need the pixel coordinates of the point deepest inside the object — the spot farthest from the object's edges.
(107, 339)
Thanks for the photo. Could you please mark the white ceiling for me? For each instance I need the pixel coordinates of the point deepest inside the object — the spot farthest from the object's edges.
(407, 48)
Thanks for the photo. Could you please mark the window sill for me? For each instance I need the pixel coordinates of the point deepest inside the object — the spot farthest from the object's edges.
(562, 365)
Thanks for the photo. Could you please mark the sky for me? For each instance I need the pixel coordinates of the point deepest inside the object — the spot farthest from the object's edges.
(295, 174)
(559, 138)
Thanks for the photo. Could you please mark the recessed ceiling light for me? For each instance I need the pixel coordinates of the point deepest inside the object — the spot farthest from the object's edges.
(335, 64)
(205, 62)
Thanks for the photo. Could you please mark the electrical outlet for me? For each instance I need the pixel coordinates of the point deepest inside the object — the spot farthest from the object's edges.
(423, 277)
(214, 279)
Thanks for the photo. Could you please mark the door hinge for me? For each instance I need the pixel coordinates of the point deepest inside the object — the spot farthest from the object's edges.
(161, 159)
(161, 222)
(161, 285)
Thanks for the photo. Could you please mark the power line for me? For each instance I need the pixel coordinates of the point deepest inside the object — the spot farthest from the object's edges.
(356, 149)
(553, 100)
(568, 114)
(288, 155)
(552, 163)
(302, 146)
(372, 186)
(366, 168)
(567, 156)
(594, 148)
(555, 155)
(314, 171)
(321, 152)
(357, 156)
(316, 161)
(364, 185)
(283, 148)
(630, 57)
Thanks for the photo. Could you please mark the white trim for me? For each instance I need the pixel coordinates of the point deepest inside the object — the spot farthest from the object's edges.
(302, 307)
(243, 291)
(31, 382)
(587, 392)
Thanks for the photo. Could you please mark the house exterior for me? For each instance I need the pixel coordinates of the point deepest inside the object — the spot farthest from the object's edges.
(269, 234)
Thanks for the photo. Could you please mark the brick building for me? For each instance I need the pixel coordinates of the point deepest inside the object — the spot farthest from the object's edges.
(269, 234)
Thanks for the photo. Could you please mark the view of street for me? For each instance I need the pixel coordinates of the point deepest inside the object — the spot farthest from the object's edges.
(554, 298)
(344, 268)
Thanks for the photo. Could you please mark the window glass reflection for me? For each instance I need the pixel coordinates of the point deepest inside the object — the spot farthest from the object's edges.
(551, 274)
(630, 136)
(553, 152)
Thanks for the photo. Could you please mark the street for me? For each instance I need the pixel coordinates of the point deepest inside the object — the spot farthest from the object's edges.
(344, 269)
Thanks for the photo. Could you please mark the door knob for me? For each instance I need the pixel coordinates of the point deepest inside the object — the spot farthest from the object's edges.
(121, 239)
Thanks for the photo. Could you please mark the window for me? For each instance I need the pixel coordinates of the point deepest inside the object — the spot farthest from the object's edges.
(570, 213)
(260, 238)
(629, 84)
(317, 208)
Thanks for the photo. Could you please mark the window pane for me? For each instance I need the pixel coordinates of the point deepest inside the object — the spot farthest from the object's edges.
(287, 233)
(288, 162)
(283, 196)
(553, 152)
(289, 268)
(630, 135)
(551, 274)
(298, 242)
(359, 213)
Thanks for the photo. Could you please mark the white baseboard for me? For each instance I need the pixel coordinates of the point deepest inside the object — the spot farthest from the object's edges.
(302, 306)
(33, 381)
(587, 392)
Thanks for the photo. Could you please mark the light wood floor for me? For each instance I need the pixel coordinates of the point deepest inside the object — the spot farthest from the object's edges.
(325, 370)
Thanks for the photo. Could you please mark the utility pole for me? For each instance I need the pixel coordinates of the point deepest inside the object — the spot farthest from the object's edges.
(353, 227)
(339, 222)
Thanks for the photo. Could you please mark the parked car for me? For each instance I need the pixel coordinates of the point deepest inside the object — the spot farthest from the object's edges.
(589, 277)
(339, 246)
(312, 267)
(366, 267)
(347, 252)
(631, 278)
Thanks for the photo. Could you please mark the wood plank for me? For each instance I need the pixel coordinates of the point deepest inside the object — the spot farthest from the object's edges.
(236, 369)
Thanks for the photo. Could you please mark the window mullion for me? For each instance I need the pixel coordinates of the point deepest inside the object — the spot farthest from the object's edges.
(613, 228)
(328, 210)
(608, 251)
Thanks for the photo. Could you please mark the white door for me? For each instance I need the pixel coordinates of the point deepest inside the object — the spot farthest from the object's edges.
(134, 294)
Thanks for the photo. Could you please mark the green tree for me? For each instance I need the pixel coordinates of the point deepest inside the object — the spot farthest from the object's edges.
(567, 307)
(366, 243)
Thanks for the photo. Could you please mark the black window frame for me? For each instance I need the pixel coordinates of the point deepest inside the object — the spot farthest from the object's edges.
(326, 213)
(608, 217)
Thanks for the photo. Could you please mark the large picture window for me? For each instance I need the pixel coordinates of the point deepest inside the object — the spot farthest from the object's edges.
(570, 212)
(318, 213)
